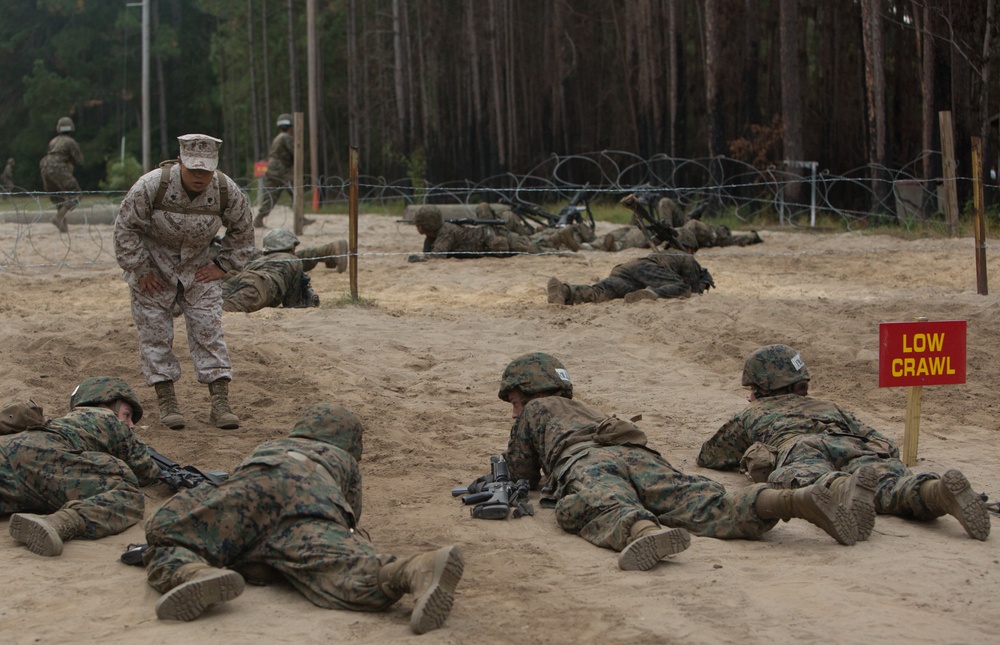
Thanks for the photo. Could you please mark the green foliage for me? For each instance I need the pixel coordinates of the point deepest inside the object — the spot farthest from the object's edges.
(121, 174)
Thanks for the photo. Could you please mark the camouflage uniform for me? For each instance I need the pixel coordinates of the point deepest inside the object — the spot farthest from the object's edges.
(625, 237)
(278, 179)
(57, 171)
(813, 437)
(273, 280)
(174, 245)
(292, 506)
(456, 241)
(670, 273)
(710, 235)
(602, 490)
(88, 461)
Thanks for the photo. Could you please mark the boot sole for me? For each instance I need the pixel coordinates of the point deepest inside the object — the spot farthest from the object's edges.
(173, 421)
(643, 554)
(863, 501)
(191, 599)
(225, 424)
(35, 534)
(433, 606)
(840, 523)
(971, 510)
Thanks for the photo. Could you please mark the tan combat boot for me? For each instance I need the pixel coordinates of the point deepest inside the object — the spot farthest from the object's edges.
(431, 577)
(567, 238)
(339, 262)
(953, 495)
(45, 534)
(865, 482)
(828, 506)
(651, 543)
(558, 292)
(170, 414)
(221, 416)
(202, 587)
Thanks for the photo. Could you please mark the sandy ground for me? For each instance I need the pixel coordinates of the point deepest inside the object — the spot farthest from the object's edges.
(422, 366)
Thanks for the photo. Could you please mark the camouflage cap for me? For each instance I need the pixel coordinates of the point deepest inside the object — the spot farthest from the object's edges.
(65, 124)
(773, 367)
(18, 416)
(199, 151)
(280, 239)
(332, 424)
(535, 373)
(687, 239)
(429, 218)
(284, 120)
(105, 389)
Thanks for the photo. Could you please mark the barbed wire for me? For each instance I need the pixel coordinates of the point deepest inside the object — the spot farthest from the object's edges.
(797, 193)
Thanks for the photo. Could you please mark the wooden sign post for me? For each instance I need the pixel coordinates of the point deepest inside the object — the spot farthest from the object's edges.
(917, 354)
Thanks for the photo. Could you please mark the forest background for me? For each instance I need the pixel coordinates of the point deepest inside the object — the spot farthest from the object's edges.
(437, 90)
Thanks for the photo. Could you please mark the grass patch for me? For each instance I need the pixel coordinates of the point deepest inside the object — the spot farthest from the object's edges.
(346, 300)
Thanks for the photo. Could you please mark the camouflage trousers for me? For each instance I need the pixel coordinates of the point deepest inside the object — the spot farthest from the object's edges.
(274, 188)
(100, 487)
(154, 320)
(611, 488)
(255, 520)
(813, 456)
(59, 180)
(637, 275)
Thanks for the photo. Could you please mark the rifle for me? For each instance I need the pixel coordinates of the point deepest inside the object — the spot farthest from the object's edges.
(570, 213)
(494, 495)
(656, 230)
(178, 477)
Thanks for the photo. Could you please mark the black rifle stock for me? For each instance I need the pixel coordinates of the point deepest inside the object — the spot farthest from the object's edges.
(571, 212)
(178, 477)
(493, 500)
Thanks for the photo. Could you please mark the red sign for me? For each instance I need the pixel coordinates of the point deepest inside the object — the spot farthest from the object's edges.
(921, 353)
(259, 168)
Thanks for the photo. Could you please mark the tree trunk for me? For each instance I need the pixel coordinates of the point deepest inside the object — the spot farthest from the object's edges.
(871, 14)
(293, 72)
(791, 92)
(713, 97)
(254, 123)
(266, 67)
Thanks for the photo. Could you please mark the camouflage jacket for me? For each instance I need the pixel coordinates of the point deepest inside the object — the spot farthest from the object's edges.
(778, 421)
(546, 427)
(338, 468)
(64, 153)
(281, 157)
(174, 245)
(459, 240)
(88, 429)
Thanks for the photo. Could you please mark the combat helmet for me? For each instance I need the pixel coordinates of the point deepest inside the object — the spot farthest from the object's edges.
(687, 239)
(279, 239)
(332, 424)
(773, 367)
(65, 124)
(105, 389)
(535, 373)
(284, 120)
(429, 218)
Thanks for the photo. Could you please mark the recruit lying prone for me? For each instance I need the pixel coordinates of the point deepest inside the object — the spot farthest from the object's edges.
(493, 496)
(657, 232)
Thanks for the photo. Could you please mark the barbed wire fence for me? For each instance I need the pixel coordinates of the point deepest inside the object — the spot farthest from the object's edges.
(795, 194)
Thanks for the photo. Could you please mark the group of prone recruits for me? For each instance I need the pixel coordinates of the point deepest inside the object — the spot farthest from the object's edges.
(291, 510)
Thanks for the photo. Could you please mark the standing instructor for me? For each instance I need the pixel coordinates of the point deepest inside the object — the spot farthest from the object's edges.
(162, 236)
